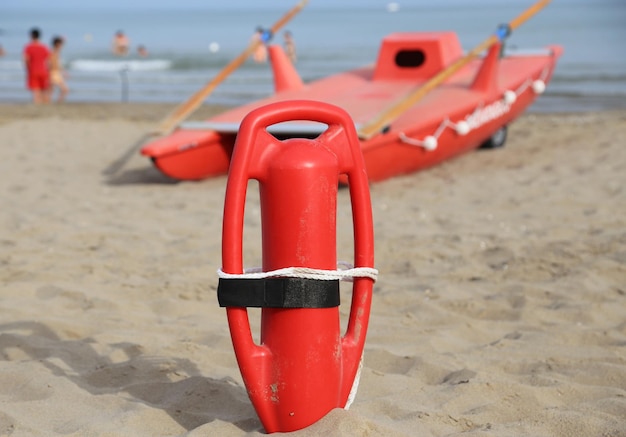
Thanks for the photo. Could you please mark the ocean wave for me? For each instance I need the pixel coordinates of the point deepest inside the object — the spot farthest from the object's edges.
(11, 65)
(573, 94)
(200, 62)
(589, 77)
(105, 65)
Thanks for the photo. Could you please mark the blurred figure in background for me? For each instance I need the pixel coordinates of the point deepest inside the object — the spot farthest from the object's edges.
(260, 53)
(36, 57)
(120, 44)
(142, 51)
(290, 46)
(57, 74)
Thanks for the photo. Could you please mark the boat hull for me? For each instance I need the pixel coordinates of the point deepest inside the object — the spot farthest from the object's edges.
(389, 155)
(191, 155)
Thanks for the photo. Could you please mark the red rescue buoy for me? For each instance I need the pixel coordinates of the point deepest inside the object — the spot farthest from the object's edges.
(303, 367)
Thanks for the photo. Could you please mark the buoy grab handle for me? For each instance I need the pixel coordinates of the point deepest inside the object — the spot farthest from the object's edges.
(337, 137)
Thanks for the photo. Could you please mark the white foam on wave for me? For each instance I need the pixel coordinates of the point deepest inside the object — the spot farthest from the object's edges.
(98, 65)
(11, 65)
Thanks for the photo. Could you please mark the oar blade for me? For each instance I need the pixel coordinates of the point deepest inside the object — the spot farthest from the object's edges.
(120, 162)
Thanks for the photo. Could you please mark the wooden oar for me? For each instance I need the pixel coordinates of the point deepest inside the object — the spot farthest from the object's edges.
(382, 120)
(186, 108)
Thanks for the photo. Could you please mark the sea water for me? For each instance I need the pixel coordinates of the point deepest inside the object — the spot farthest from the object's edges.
(190, 41)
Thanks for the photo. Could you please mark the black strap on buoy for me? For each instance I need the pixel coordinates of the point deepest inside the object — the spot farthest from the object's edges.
(278, 293)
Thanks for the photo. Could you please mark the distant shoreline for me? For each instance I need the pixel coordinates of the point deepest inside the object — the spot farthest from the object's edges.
(136, 112)
(156, 111)
(557, 103)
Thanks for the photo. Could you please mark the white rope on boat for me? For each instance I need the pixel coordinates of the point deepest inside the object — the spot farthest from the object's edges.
(347, 274)
(444, 124)
(464, 126)
(523, 87)
(429, 143)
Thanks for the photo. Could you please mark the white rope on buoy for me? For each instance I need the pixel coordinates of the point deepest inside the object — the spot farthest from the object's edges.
(304, 272)
(355, 384)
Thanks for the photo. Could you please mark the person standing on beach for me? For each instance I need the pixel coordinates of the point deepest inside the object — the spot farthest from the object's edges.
(36, 56)
(57, 75)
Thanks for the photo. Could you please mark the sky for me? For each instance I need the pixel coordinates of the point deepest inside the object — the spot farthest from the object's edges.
(212, 4)
(180, 4)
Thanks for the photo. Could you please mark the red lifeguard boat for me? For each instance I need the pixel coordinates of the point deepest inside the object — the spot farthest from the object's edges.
(469, 107)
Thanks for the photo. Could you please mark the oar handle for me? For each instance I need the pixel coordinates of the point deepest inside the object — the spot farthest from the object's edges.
(524, 16)
(288, 16)
(184, 110)
(382, 120)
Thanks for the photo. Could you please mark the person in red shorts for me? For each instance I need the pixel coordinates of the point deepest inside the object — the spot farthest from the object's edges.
(36, 56)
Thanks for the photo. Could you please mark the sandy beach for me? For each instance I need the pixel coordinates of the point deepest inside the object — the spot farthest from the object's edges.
(500, 308)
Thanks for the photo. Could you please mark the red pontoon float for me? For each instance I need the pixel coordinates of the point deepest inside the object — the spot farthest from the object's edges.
(422, 102)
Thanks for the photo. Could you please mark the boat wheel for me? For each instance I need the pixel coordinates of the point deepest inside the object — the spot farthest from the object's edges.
(496, 140)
